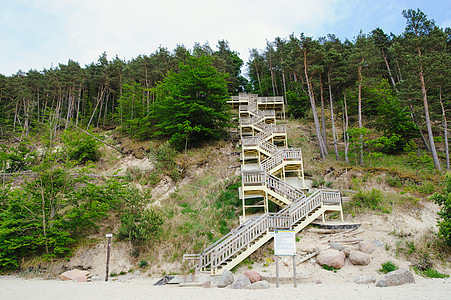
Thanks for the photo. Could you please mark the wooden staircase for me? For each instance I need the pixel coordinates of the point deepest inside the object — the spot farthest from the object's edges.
(298, 210)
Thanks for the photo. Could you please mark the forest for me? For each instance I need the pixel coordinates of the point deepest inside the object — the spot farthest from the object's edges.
(389, 93)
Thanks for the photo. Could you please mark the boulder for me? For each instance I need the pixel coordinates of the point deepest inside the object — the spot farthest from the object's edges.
(331, 258)
(226, 279)
(95, 278)
(206, 284)
(366, 247)
(253, 276)
(337, 246)
(240, 282)
(378, 243)
(359, 258)
(259, 285)
(365, 279)
(75, 275)
(397, 277)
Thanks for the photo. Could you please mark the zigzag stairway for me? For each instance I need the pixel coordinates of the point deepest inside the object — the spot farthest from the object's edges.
(267, 165)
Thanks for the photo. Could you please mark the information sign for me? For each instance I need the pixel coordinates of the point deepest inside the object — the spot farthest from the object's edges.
(284, 243)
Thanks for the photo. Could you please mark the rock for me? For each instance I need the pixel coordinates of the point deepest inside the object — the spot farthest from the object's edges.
(206, 284)
(366, 247)
(359, 258)
(346, 251)
(75, 275)
(397, 277)
(331, 258)
(253, 276)
(378, 243)
(259, 285)
(242, 281)
(365, 279)
(164, 280)
(95, 278)
(337, 246)
(226, 279)
(137, 273)
(318, 281)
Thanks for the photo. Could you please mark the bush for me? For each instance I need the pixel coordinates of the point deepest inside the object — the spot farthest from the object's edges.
(444, 200)
(370, 199)
(388, 267)
(81, 147)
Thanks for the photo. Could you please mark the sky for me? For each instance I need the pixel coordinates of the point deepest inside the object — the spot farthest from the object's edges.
(40, 34)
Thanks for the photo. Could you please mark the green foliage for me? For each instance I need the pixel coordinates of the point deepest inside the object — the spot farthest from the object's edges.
(165, 156)
(191, 106)
(143, 263)
(444, 201)
(16, 159)
(388, 267)
(138, 223)
(370, 200)
(80, 147)
(329, 268)
(298, 103)
(429, 273)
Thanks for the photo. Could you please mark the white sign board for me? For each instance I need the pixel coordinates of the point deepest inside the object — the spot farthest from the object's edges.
(284, 243)
(109, 235)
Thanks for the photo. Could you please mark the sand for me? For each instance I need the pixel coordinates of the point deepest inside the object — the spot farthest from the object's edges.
(17, 288)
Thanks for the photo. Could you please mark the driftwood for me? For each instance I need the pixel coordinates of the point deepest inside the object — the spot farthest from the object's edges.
(337, 233)
(307, 258)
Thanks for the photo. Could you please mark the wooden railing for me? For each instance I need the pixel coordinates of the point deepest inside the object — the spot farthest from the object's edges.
(239, 238)
(256, 141)
(279, 157)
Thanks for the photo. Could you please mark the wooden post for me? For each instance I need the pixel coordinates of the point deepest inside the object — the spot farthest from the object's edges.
(277, 271)
(294, 270)
(109, 236)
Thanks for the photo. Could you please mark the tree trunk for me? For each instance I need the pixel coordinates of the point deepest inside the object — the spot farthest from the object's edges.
(445, 129)
(389, 71)
(258, 76)
(428, 119)
(345, 131)
(321, 145)
(323, 118)
(415, 120)
(337, 157)
(272, 77)
(359, 69)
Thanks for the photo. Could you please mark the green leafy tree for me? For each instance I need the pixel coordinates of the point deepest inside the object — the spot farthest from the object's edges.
(191, 106)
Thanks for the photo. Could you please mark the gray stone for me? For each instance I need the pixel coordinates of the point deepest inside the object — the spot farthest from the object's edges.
(378, 243)
(337, 246)
(259, 285)
(164, 280)
(397, 277)
(240, 282)
(359, 258)
(331, 258)
(226, 279)
(95, 278)
(137, 272)
(366, 247)
(365, 279)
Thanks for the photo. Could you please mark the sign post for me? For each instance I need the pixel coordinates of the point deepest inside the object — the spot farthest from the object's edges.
(109, 236)
(285, 245)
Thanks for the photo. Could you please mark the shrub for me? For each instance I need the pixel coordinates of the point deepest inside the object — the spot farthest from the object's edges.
(370, 199)
(444, 200)
(388, 267)
(81, 147)
(143, 263)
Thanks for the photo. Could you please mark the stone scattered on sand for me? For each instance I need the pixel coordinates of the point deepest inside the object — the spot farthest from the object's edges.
(359, 258)
(336, 246)
(137, 272)
(365, 279)
(331, 258)
(206, 284)
(366, 247)
(75, 275)
(164, 280)
(397, 277)
(259, 285)
(95, 278)
(253, 275)
(226, 279)
(240, 282)
(378, 243)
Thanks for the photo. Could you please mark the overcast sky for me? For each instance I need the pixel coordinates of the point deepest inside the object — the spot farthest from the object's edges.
(38, 34)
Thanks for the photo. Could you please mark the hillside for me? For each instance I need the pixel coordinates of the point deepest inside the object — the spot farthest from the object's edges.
(197, 197)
